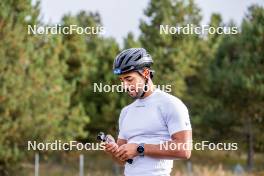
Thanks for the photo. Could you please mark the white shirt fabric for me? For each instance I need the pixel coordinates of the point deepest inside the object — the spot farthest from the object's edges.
(152, 120)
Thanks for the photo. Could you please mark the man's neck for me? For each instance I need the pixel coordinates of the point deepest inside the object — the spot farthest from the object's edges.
(151, 89)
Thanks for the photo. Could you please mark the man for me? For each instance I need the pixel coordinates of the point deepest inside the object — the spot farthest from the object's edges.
(154, 119)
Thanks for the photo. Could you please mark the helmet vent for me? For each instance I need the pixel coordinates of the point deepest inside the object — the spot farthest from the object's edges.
(138, 58)
(128, 59)
(121, 60)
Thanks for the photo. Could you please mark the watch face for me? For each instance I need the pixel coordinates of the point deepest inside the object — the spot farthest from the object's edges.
(140, 149)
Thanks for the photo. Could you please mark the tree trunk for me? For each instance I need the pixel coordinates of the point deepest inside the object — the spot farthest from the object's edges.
(250, 152)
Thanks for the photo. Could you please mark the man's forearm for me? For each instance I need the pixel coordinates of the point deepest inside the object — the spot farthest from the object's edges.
(169, 152)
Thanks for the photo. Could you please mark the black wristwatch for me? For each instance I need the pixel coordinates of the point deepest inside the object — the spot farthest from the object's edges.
(140, 149)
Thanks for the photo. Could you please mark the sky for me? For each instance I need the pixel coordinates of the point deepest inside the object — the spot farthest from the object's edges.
(122, 16)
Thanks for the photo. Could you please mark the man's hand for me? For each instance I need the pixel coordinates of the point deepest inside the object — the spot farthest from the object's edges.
(111, 148)
(126, 151)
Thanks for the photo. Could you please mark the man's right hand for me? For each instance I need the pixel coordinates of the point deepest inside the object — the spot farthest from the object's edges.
(111, 148)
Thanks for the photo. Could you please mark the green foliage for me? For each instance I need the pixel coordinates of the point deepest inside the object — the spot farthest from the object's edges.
(229, 106)
(176, 56)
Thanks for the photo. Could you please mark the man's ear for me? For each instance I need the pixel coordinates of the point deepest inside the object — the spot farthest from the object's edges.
(146, 73)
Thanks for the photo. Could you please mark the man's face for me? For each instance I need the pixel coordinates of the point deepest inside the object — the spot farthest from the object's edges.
(133, 82)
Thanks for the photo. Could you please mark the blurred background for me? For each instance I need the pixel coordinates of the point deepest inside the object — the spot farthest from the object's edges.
(46, 81)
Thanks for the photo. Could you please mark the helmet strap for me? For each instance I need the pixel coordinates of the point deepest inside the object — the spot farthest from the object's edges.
(141, 94)
(145, 88)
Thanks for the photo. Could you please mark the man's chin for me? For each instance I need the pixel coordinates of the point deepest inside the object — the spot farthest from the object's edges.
(132, 95)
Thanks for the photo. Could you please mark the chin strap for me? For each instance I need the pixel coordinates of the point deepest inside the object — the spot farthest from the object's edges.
(145, 88)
